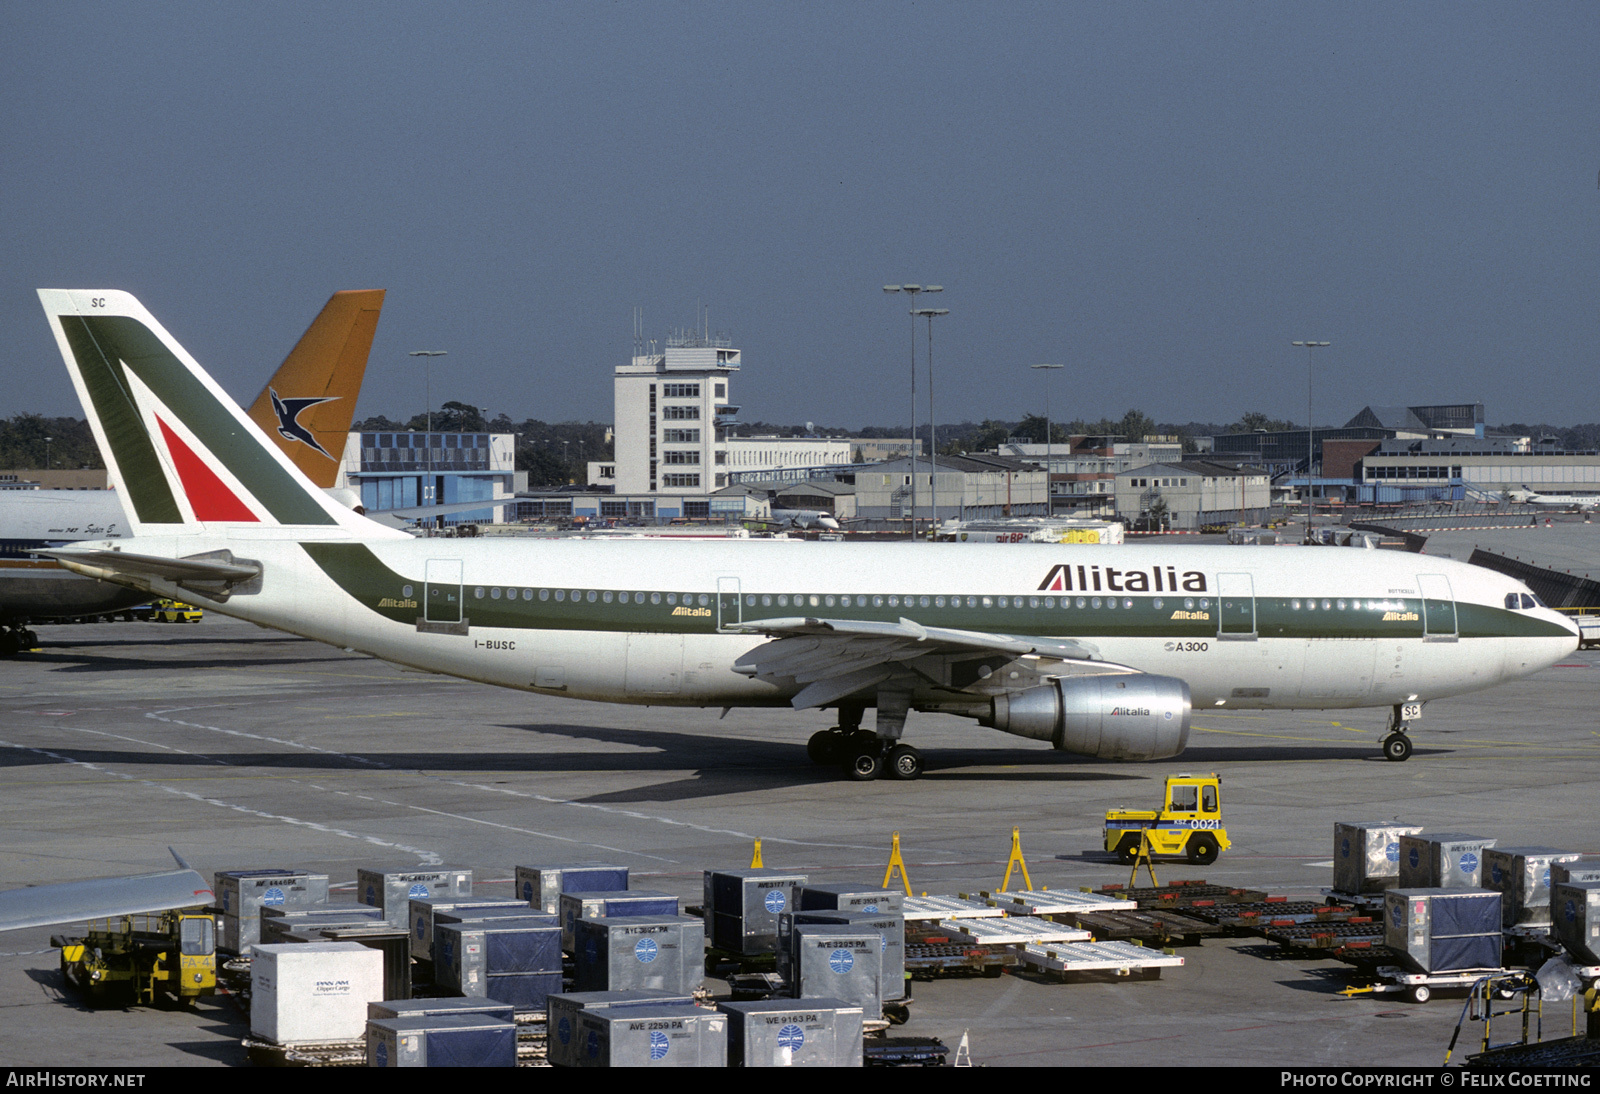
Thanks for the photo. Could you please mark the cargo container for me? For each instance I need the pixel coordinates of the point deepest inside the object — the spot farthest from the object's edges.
(1443, 930)
(651, 1036)
(561, 1021)
(542, 886)
(313, 992)
(1521, 875)
(512, 960)
(442, 1040)
(1575, 912)
(394, 890)
(576, 906)
(241, 894)
(1366, 856)
(890, 927)
(794, 1033)
(1442, 860)
(742, 907)
(624, 953)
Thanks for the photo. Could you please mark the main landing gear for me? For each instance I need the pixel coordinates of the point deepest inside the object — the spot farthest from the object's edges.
(1396, 745)
(14, 640)
(864, 755)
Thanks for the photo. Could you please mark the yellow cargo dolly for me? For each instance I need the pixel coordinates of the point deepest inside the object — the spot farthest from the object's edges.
(1189, 822)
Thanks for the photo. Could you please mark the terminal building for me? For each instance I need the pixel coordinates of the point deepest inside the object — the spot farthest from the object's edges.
(1084, 470)
(1189, 494)
(407, 470)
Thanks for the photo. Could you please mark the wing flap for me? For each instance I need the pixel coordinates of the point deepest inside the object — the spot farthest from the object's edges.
(834, 658)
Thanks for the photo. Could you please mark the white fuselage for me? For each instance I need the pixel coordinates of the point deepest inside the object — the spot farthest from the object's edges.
(1358, 633)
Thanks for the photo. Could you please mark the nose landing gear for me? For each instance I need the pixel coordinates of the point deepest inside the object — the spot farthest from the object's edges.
(1396, 745)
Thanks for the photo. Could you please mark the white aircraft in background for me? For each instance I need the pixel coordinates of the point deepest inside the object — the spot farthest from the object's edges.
(1101, 651)
(805, 519)
(1528, 496)
(306, 408)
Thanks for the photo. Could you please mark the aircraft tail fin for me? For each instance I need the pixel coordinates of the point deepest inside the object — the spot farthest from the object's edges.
(183, 454)
(310, 401)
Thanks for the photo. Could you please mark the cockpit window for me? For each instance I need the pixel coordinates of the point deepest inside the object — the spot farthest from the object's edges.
(1523, 600)
(1530, 601)
(1511, 601)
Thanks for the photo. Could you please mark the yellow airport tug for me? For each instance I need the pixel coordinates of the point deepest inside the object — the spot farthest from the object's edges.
(1189, 822)
(131, 958)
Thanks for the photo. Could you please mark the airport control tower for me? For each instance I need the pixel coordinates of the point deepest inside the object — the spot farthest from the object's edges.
(672, 418)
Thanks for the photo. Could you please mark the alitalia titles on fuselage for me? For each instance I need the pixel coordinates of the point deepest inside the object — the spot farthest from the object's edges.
(1089, 579)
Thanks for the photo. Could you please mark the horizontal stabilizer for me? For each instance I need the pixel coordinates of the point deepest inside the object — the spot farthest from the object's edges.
(101, 898)
(121, 566)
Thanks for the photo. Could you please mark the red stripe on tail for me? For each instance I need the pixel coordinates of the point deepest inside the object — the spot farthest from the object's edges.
(208, 495)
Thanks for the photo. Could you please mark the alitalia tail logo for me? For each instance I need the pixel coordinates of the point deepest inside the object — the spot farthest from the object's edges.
(208, 495)
(289, 427)
(1094, 579)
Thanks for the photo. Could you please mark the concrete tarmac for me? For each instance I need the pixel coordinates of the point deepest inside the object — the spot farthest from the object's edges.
(244, 748)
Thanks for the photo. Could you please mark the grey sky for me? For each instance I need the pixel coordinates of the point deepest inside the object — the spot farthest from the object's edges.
(1160, 196)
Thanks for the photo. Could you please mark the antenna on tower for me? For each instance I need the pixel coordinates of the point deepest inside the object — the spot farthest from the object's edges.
(638, 331)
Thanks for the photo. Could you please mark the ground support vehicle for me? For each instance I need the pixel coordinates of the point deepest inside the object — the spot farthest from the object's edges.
(140, 957)
(1189, 823)
(1119, 959)
(1420, 986)
(175, 611)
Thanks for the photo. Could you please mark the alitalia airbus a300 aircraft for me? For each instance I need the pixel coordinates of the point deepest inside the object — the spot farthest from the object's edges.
(1100, 651)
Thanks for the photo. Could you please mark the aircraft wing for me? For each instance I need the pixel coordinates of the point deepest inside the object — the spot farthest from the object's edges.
(102, 898)
(836, 657)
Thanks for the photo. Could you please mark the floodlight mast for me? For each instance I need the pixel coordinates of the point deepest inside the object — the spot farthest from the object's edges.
(1310, 433)
(912, 291)
(1049, 451)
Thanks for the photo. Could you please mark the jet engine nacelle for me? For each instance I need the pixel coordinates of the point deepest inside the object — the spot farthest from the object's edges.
(1122, 716)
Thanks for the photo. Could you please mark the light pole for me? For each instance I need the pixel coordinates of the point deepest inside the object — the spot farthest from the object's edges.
(1310, 433)
(428, 355)
(47, 453)
(933, 429)
(913, 290)
(1049, 452)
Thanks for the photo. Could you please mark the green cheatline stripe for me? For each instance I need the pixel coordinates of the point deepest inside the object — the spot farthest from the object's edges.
(114, 342)
(142, 476)
(380, 589)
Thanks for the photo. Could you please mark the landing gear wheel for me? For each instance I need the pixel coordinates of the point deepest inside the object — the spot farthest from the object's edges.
(826, 747)
(1127, 850)
(1421, 993)
(1396, 747)
(904, 762)
(866, 765)
(1203, 850)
